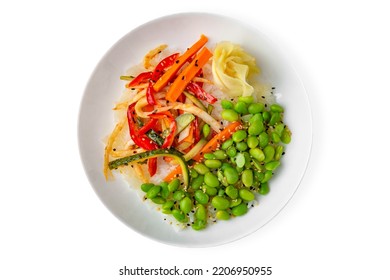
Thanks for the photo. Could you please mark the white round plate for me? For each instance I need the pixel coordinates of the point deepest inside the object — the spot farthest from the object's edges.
(180, 31)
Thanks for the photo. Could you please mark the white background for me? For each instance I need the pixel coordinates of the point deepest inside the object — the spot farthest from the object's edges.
(53, 226)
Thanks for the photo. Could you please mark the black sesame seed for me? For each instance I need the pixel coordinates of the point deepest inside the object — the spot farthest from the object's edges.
(114, 149)
(283, 153)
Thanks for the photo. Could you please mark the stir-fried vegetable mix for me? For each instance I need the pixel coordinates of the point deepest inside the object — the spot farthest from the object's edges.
(223, 150)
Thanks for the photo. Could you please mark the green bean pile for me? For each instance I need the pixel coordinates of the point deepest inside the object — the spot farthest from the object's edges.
(229, 179)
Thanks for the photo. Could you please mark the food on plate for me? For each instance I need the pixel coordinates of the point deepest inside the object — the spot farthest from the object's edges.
(203, 138)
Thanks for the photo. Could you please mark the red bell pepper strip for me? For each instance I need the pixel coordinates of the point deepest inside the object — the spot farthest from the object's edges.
(162, 65)
(172, 127)
(196, 130)
(150, 94)
(199, 92)
(140, 140)
(148, 126)
(152, 166)
(144, 76)
(171, 136)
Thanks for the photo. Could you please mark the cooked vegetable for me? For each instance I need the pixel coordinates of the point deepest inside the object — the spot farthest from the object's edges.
(216, 141)
(183, 121)
(167, 77)
(188, 74)
(195, 100)
(152, 154)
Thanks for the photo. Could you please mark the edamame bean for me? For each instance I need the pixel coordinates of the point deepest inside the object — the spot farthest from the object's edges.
(267, 176)
(240, 209)
(257, 164)
(279, 128)
(220, 154)
(186, 205)
(153, 192)
(256, 118)
(201, 213)
(246, 99)
(167, 205)
(286, 136)
(239, 135)
(279, 152)
(211, 191)
(197, 182)
(246, 195)
(257, 154)
(222, 215)
(173, 185)
(263, 139)
(226, 104)
(220, 203)
(266, 116)
(206, 130)
(256, 108)
(164, 190)
(275, 118)
(259, 176)
(225, 165)
(276, 108)
(209, 156)
(269, 153)
(264, 189)
(227, 144)
(247, 177)
(275, 137)
(201, 168)
(231, 192)
(198, 225)
(248, 160)
(211, 180)
(179, 215)
(272, 165)
(241, 108)
(146, 186)
(235, 202)
(229, 115)
(178, 195)
(256, 128)
(193, 173)
(252, 142)
(201, 197)
(221, 192)
(213, 163)
(158, 200)
(231, 175)
(221, 178)
(240, 160)
(231, 152)
(241, 146)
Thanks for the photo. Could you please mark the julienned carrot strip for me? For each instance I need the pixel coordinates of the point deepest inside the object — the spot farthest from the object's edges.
(166, 78)
(188, 74)
(216, 141)
(172, 174)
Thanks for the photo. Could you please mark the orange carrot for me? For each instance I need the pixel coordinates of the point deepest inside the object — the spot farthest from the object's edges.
(216, 141)
(164, 79)
(172, 174)
(188, 74)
